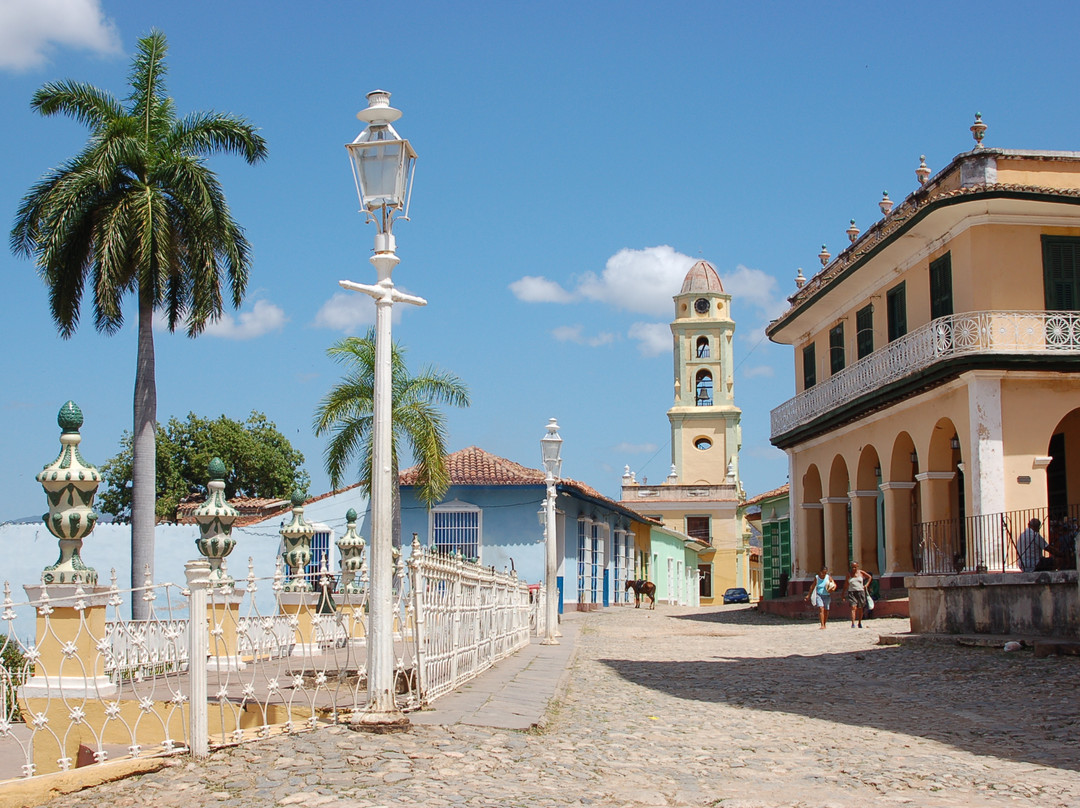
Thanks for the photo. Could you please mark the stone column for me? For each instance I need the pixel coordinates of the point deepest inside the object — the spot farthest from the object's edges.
(810, 547)
(898, 560)
(836, 535)
(864, 529)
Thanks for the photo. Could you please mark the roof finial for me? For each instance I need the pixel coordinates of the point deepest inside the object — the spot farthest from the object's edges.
(978, 130)
(885, 204)
(852, 232)
(824, 255)
(800, 279)
(923, 171)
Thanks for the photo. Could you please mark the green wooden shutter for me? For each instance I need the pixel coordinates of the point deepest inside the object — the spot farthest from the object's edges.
(864, 331)
(896, 298)
(1061, 273)
(809, 367)
(941, 302)
(836, 348)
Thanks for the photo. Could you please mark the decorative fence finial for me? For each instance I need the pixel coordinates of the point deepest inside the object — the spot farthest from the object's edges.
(215, 519)
(70, 484)
(297, 537)
(351, 546)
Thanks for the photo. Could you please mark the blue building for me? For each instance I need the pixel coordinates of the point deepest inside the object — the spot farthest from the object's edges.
(491, 513)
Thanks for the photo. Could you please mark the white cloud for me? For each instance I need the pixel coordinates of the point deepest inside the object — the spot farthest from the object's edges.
(352, 313)
(263, 318)
(30, 29)
(538, 289)
(575, 334)
(634, 448)
(758, 372)
(653, 339)
(642, 281)
(755, 288)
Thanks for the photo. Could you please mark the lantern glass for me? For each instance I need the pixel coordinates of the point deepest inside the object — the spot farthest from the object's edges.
(383, 165)
(549, 447)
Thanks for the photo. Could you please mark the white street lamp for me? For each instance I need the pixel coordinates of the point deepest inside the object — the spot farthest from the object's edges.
(382, 165)
(549, 449)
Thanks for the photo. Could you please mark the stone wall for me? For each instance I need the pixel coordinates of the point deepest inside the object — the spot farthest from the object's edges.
(1042, 604)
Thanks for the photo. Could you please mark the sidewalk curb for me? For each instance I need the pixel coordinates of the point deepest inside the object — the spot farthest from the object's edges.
(562, 685)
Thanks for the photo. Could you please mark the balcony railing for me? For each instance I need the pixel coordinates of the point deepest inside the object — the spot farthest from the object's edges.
(955, 335)
(993, 542)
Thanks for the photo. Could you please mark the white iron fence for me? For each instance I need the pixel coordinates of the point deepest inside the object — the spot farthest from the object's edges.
(93, 686)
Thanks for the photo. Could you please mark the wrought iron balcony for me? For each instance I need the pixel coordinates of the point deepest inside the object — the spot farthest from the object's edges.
(956, 335)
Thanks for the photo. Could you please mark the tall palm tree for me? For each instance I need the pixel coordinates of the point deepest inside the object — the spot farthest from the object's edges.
(347, 415)
(138, 211)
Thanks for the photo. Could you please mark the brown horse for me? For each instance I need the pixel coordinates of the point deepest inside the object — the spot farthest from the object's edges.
(646, 588)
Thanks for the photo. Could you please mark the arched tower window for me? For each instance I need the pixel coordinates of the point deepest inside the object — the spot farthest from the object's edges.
(703, 389)
(702, 347)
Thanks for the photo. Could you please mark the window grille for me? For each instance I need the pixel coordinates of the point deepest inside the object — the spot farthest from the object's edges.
(457, 531)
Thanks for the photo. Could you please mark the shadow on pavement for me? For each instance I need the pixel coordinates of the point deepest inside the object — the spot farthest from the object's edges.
(979, 700)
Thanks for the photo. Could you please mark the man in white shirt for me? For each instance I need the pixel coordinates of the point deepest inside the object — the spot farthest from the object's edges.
(1031, 546)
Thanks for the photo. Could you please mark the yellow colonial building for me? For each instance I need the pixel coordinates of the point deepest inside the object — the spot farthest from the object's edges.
(700, 495)
(938, 399)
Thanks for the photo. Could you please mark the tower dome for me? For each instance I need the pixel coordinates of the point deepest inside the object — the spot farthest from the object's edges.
(702, 277)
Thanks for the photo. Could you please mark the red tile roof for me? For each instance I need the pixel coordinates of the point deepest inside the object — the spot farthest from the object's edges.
(784, 489)
(474, 466)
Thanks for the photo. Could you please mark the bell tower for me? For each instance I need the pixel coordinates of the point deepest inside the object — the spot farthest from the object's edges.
(705, 430)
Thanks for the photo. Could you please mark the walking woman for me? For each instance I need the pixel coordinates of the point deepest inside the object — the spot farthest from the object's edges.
(820, 594)
(855, 591)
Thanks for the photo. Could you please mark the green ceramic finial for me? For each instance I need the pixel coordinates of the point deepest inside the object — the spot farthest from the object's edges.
(298, 498)
(217, 469)
(70, 417)
(350, 516)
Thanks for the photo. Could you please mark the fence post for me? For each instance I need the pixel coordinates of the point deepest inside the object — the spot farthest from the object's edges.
(198, 581)
(416, 568)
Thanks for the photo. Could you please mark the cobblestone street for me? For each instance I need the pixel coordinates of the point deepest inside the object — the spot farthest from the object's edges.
(696, 707)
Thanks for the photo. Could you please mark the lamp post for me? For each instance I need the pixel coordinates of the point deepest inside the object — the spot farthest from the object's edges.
(382, 164)
(549, 449)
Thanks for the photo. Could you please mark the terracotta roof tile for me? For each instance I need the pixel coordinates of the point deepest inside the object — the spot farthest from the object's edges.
(474, 466)
(784, 489)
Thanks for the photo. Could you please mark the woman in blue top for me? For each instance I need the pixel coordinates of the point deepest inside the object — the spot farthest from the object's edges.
(820, 592)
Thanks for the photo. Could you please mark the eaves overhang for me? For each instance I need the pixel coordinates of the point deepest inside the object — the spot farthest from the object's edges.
(963, 196)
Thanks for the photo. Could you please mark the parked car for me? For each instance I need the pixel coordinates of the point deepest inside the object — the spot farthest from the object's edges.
(736, 595)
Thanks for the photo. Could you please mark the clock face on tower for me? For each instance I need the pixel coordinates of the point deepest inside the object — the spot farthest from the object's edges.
(701, 305)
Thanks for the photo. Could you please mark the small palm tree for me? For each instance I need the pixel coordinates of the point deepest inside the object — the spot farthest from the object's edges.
(347, 415)
(137, 211)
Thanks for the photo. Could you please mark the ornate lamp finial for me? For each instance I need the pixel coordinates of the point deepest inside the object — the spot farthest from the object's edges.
(297, 539)
(923, 171)
(215, 519)
(70, 484)
(885, 204)
(824, 255)
(351, 546)
(978, 130)
(800, 279)
(852, 232)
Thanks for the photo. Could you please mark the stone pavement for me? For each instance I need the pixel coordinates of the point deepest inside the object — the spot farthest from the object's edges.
(687, 707)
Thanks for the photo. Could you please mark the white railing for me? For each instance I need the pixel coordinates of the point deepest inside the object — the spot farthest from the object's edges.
(92, 680)
(956, 335)
(468, 617)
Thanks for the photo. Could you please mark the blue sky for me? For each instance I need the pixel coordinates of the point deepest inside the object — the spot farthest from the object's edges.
(574, 159)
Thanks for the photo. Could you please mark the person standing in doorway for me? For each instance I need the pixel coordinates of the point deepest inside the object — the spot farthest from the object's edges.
(855, 591)
(820, 594)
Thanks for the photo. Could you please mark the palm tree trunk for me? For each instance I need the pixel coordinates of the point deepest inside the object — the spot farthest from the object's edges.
(144, 459)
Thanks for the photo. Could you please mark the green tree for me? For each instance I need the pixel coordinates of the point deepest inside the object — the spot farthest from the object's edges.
(346, 414)
(259, 460)
(138, 211)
